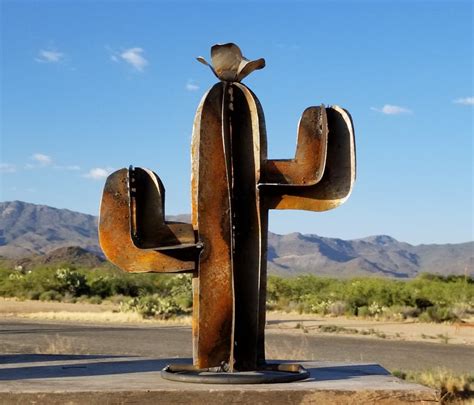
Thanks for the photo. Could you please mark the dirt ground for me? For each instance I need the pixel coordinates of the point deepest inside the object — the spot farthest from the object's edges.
(376, 329)
(461, 333)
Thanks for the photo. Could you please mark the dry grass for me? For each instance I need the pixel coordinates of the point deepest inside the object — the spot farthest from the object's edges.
(103, 317)
(59, 345)
(397, 330)
(285, 351)
(452, 388)
(108, 312)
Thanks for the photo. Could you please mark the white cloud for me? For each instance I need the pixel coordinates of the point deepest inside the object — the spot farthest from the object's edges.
(134, 57)
(49, 56)
(464, 101)
(98, 173)
(392, 110)
(42, 160)
(191, 85)
(7, 168)
(69, 167)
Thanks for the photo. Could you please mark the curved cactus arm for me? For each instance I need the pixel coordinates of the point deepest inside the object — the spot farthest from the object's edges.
(338, 177)
(149, 230)
(125, 236)
(308, 165)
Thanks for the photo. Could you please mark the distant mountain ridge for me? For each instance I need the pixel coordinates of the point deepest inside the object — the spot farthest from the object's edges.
(28, 229)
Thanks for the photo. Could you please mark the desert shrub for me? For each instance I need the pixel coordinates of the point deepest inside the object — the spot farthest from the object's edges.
(50, 295)
(278, 289)
(432, 298)
(95, 299)
(337, 308)
(69, 298)
(100, 286)
(452, 387)
(117, 299)
(399, 312)
(462, 310)
(363, 311)
(181, 291)
(153, 306)
(438, 314)
(71, 282)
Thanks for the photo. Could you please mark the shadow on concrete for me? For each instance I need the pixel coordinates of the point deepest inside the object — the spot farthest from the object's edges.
(339, 372)
(84, 368)
(33, 358)
(87, 366)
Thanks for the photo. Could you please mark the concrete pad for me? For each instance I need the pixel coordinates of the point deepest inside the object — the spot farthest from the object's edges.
(87, 379)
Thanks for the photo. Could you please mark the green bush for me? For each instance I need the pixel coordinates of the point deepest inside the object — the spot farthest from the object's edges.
(50, 295)
(95, 299)
(431, 298)
(153, 306)
(438, 314)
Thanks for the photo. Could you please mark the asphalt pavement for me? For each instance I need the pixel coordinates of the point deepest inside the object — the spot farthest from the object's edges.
(28, 337)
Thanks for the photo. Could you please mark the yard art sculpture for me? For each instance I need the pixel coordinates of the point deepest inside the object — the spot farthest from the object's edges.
(233, 185)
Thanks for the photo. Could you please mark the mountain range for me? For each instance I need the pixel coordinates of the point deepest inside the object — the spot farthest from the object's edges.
(31, 233)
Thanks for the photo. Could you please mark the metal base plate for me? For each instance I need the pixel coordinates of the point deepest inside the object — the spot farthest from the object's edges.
(267, 374)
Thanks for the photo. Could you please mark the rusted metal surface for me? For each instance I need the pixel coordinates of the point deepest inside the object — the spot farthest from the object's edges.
(248, 147)
(213, 300)
(233, 185)
(116, 239)
(338, 177)
(149, 230)
(228, 63)
(308, 165)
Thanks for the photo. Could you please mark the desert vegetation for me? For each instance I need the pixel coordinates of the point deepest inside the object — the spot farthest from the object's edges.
(452, 388)
(148, 294)
(430, 298)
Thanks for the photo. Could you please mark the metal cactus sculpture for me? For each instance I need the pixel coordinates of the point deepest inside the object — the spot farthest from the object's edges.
(233, 186)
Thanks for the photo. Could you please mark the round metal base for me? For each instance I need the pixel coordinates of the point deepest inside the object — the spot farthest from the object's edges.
(267, 374)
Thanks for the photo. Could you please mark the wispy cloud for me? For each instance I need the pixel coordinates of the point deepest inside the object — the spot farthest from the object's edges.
(134, 57)
(98, 173)
(191, 85)
(464, 101)
(7, 168)
(68, 167)
(41, 159)
(49, 56)
(390, 109)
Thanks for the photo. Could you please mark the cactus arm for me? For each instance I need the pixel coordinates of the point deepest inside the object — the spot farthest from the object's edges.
(149, 229)
(135, 250)
(338, 177)
(308, 165)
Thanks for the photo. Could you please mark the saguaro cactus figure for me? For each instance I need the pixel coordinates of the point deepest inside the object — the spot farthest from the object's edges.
(233, 186)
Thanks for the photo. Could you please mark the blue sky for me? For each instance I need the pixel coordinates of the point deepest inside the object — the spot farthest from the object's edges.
(89, 87)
